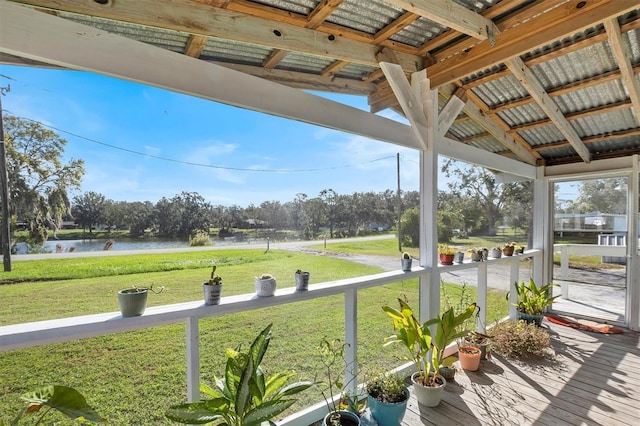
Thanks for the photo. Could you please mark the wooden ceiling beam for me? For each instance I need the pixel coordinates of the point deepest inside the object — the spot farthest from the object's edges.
(306, 81)
(333, 68)
(322, 11)
(591, 139)
(229, 24)
(195, 45)
(452, 15)
(274, 58)
(622, 53)
(498, 129)
(401, 22)
(564, 20)
(531, 83)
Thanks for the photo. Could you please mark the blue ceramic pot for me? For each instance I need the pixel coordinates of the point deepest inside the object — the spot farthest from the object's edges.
(388, 414)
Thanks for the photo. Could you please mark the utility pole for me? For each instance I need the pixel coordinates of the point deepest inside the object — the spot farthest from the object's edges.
(399, 204)
(4, 193)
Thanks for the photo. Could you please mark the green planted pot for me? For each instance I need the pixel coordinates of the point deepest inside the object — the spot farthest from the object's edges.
(132, 301)
(388, 413)
(534, 319)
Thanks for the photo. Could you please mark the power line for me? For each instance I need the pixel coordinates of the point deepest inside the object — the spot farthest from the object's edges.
(189, 163)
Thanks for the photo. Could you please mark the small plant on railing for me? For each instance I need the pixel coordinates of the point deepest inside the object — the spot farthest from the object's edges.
(245, 395)
(64, 399)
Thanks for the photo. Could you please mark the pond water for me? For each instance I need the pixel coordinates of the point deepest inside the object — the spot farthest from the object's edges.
(128, 244)
(99, 244)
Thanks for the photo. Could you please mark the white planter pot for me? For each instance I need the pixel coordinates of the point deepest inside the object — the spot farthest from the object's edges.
(427, 395)
(266, 287)
(212, 294)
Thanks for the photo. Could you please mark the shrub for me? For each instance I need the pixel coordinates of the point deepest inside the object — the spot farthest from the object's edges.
(199, 240)
(519, 339)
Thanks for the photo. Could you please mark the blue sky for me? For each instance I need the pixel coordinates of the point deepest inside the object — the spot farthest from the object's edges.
(228, 155)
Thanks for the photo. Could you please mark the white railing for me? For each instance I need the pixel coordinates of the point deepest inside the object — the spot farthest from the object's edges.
(19, 336)
(567, 250)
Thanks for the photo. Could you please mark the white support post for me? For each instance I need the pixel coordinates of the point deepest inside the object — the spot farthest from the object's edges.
(482, 297)
(193, 360)
(351, 339)
(514, 276)
(429, 283)
(543, 266)
(564, 271)
(633, 261)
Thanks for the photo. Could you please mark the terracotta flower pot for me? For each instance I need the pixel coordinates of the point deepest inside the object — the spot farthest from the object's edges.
(469, 357)
(446, 259)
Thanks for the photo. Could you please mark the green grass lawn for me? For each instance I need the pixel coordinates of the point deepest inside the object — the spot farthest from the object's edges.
(131, 378)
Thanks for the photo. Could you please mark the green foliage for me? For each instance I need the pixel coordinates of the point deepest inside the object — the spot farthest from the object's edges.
(386, 387)
(215, 279)
(245, 396)
(64, 399)
(39, 181)
(532, 299)
(517, 339)
(410, 226)
(200, 239)
(418, 338)
(335, 367)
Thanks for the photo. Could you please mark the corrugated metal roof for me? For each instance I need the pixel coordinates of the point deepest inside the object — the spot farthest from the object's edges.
(563, 67)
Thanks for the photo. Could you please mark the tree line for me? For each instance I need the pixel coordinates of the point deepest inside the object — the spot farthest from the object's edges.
(40, 183)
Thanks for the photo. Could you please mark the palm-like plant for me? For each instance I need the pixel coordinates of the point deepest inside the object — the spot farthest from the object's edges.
(532, 300)
(244, 397)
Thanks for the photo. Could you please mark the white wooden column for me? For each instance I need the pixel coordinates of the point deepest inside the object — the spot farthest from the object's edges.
(633, 262)
(193, 360)
(429, 284)
(542, 225)
(351, 339)
(420, 105)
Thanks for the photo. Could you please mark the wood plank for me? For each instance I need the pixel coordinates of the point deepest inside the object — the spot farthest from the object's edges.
(592, 380)
(234, 25)
(565, 20)
(452, 15)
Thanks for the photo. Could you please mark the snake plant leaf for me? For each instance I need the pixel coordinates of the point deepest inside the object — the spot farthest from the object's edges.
(65, 399)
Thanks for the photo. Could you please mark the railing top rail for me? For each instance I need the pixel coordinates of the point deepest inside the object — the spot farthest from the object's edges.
(38, 333)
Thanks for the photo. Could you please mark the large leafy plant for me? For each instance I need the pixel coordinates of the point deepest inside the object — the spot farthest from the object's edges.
(532, 299)
(244, 397)
(64, 399)
(419, 340)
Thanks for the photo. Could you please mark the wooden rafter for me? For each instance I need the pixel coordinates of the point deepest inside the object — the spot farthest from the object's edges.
(564, 20)
(536, 90)
(622, 54)
(195, 45)
(452, 15)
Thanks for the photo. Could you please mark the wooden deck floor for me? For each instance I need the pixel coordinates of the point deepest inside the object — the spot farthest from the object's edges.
(593, 380)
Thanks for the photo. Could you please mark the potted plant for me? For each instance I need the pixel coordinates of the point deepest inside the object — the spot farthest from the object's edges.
(446, 254)
(265, 285)
(518, 249)
(245, 395)
(533, 300)
(485, 253)
(469, 357)
(133, 301)
(520, 339)
(64, 399)
(302, 280)
(496, 252)
(476, 255)
(419, 340)
(387, 397)
(213, 288)
(344, 409)
(507, 249)
(458, 257)
(406, 261)
(480, 341)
